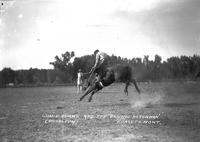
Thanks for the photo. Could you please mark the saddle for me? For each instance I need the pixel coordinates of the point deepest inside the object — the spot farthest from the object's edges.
(101, 71)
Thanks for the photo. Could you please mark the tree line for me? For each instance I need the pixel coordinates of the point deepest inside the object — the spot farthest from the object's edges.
(65, 70)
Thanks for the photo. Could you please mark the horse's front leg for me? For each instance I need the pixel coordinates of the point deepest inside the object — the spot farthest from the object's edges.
(89, 89)
(93, 92)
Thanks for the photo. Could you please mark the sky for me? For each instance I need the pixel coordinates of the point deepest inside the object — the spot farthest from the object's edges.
(33, 32)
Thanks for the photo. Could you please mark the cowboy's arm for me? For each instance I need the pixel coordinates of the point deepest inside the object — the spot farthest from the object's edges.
(97, 60)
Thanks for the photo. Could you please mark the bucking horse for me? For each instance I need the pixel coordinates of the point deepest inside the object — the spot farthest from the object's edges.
(117, 73)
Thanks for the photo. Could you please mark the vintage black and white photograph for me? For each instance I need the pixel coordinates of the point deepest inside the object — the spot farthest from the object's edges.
(99, 70)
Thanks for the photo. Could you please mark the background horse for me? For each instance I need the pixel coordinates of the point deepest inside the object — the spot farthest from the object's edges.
(117, 73)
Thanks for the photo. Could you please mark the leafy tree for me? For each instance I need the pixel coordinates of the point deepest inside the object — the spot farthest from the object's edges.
(65, 71)
(1, 80)
(85, 63)
(7, 76)
(157, 67)
(146, 60)
(62, 63)
(63, 66)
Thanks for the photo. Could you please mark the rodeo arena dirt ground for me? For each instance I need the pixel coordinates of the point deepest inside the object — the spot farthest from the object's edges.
(163, 112)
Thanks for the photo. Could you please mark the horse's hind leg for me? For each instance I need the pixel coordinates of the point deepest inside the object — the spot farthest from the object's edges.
(136, 87)
(126, 87)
